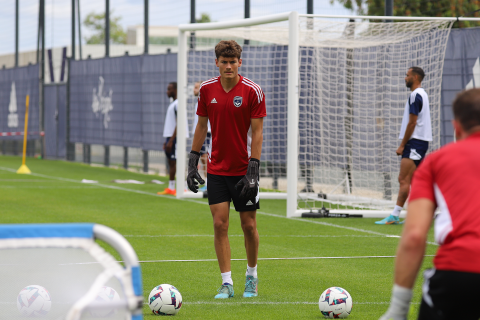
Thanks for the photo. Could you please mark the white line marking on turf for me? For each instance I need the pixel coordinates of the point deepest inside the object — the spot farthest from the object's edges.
(272, 302)
(205, 203)
(215, 260)
(266, 259)
(241, 235)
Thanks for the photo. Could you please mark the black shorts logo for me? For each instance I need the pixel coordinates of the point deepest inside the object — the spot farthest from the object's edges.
(237, 101)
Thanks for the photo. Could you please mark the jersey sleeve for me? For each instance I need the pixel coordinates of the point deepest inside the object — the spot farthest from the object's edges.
(202, 104)
(416, 103)
(423, 181)
(258, 109)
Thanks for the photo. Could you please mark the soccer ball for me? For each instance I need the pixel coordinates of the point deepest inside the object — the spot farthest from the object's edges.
(335, 302)
(165, 300)
(105, 296)
(34, 301)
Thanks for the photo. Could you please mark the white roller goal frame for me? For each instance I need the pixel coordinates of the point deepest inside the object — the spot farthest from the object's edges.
(292, 40)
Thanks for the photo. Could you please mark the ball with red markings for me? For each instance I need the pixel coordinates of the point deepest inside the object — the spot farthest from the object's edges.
(335, 303)
(34, 301)
(165, 300)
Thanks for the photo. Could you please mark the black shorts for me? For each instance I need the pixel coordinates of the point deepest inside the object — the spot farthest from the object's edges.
(222, 189)
(416, 150)
(450, 295)
(173, 154)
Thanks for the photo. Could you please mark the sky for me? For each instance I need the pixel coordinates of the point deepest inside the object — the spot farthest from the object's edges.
(161, 12)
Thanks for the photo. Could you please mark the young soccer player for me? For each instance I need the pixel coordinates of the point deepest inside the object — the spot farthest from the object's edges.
(235, 107)
(170, 134)
(415, 133)
(205, 146)
(448, 179)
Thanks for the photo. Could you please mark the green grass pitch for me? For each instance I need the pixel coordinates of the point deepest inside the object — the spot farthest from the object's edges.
(164, 228)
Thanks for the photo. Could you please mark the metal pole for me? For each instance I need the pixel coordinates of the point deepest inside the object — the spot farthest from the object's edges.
(389, 9)
(310, 11)
(145, 26)
(145, 161)
(106, 156)
(192, 20)
(42, 81)
(181, 111)
(292, 113)
(309, 6)
(125, 158)
(107, 28)
(16, 32)
(73, 30)
(246, 16)
(79, 30)
(70, 146)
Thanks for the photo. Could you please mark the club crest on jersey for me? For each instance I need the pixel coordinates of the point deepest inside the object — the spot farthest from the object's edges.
(237, 101)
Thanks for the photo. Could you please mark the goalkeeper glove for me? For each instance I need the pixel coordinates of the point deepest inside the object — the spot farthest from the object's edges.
(399, 304)
(193, 174)
(249, 183)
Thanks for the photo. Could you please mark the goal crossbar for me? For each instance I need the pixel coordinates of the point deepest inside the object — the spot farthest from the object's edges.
(296, 39)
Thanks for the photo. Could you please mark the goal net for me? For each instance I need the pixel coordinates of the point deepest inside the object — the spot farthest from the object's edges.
(335, 96)
(58, 271)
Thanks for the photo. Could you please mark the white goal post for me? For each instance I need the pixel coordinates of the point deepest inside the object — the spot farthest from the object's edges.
(323, 71)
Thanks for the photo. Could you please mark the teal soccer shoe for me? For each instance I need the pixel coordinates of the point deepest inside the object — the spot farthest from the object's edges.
(225, 291)
(251, 287)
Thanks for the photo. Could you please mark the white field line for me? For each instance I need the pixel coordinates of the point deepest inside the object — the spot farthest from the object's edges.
(274, 302)
(205, 203)
(215, 260)
(241, 235)
(46, 187)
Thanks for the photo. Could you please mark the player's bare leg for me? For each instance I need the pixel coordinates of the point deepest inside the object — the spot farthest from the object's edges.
(250, 233)
(407, 168)
(249, 227)
(220, 213)
(173, 168)
(171, 190)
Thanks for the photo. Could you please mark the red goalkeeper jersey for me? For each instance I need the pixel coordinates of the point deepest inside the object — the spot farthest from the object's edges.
(230, 116)
(450, 177)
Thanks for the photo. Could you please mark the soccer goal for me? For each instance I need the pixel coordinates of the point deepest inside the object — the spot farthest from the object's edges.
(58, 271)
(335, 95)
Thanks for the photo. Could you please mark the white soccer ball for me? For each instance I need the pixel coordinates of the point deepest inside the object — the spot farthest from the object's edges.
(34, 301)
(335, 302)
(105, 297)
(164, 300)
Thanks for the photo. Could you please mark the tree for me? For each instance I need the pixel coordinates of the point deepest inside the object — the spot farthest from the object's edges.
(205, 17)
(418, 8)
(96, 23)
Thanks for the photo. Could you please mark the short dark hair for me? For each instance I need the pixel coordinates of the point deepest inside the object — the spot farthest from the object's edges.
(174, 84)
(228, 49)
(418, 71)
(466, 108)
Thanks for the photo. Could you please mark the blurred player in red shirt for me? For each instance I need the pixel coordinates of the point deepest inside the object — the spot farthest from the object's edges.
(450, 180)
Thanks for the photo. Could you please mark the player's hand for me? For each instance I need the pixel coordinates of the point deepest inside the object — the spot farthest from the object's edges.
(169, 145)
(390, 316)
(193, 177)
(399, 304)
(400, 150)
(249, 183)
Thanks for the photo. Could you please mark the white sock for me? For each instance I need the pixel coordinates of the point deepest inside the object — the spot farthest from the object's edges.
(251, 271)
(396, 211)
(227, 277)
(171, 184)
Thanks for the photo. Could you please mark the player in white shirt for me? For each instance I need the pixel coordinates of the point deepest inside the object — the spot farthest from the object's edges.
(415, 133)
(204, 150)
(170, 133)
